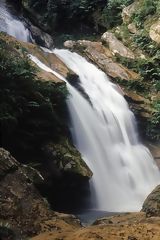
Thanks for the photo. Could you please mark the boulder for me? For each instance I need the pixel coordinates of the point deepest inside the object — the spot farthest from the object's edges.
(116, 46)
(41, 38)
(151, 205)
(66, 158)
(154, 32)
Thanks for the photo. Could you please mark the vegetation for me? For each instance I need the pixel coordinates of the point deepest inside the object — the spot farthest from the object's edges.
(31, 111)
(111, 14)
(153, 130)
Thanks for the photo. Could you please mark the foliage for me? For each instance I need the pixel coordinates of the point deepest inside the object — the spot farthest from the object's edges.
(137, 85)
(111, 14)
(31, 111)
(147, 7)
(144, 42)
(153, 129)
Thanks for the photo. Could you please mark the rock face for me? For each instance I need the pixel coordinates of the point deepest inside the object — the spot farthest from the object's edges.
(116, 46)
(66, 158)
(151, 205)
(23, 211)
(20, 200)
(154, 32)
(66, 176)
(102, 57)
(41, 38)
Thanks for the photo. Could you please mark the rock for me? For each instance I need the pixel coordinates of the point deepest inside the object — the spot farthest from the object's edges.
(41, 38)
(66, 158)
(128, 11)
(20, 202)
(116, 46)
(66, 176)
(151, 205)
(132, 28)
(69, 44)
(128, 226)
(154, 32)
(102, 57)
(51, 60)
(24, 210)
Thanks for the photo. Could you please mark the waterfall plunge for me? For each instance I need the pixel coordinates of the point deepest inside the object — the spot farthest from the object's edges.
(104, 131)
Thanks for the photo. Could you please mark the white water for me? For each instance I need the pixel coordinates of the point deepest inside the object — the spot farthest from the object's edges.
(124, 172)
(11, 24)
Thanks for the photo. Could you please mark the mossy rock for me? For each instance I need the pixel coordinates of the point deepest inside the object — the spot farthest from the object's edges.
(66, 158)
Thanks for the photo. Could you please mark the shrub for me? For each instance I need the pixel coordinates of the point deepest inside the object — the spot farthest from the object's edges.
(147, 7)
(111, 14)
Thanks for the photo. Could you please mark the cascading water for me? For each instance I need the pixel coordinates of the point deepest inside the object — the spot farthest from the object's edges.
(105, 133)
(11, 24)
(103, 130)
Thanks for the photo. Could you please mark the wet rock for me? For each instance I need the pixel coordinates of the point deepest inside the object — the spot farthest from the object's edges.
(41, 38)
(116, 46)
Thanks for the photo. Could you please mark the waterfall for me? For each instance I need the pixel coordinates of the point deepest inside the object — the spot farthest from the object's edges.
(104, 131)
(11, 24)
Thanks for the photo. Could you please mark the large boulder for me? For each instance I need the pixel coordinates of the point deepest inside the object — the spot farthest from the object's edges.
(151, 205)
(116, 46)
